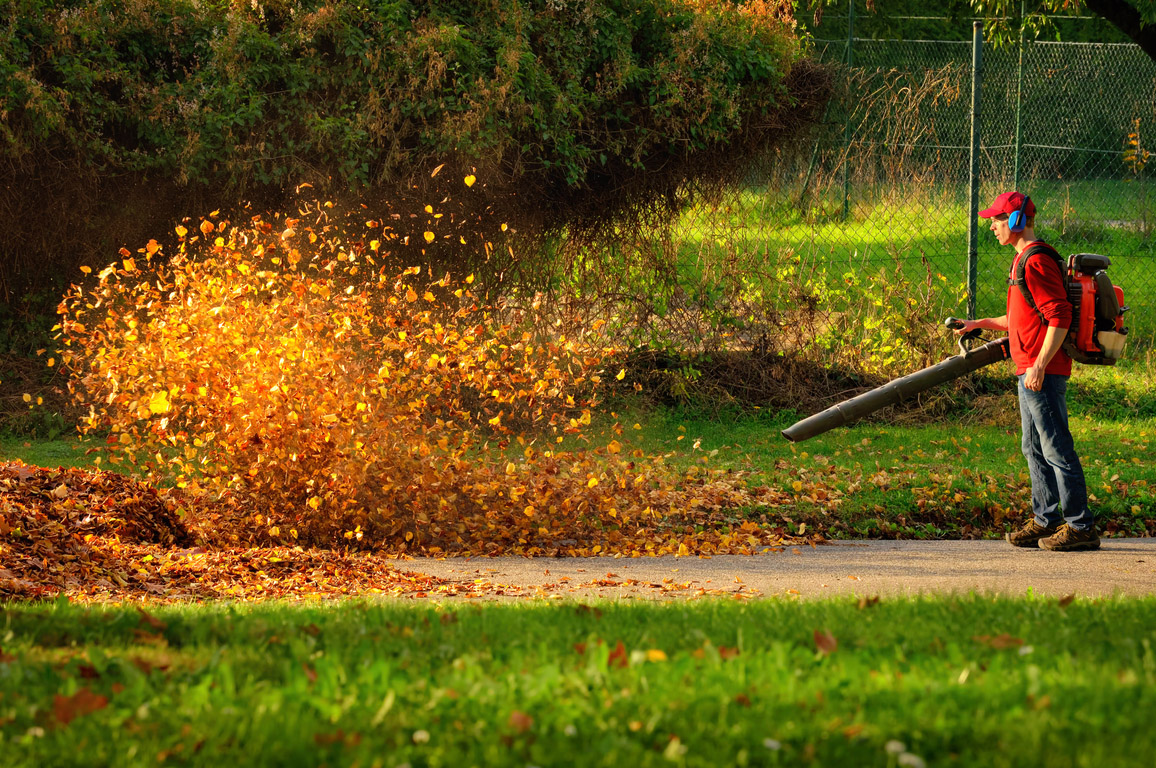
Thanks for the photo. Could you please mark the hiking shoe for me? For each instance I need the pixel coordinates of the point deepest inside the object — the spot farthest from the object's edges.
(1031, 534)
(1068, 539)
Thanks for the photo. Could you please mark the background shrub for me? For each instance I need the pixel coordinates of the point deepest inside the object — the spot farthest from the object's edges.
(114, 113)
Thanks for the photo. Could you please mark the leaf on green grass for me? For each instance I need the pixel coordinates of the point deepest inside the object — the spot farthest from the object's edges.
(83, 702)
(825, 642)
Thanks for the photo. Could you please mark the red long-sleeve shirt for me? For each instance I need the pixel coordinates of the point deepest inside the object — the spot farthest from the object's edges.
(1025, 328)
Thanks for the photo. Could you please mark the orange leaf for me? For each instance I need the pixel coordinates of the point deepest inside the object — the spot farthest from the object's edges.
(83, 702)
(825, 642)
(520, 721)
(150, 620)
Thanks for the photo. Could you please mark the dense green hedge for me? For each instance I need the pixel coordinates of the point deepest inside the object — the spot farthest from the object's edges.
(283, 91)
(118, 117)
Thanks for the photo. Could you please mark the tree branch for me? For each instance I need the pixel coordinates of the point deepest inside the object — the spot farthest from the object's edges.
(1126, 17)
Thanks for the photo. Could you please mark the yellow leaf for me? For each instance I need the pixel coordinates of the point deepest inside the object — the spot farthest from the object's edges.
(592, 482)
(27, 398)
(429, 236)
(614, 446)
(621, 375)
(429, 209)
(655, 654)
(410, 295)
(129, 265)
(86, 270)
(159, 402)
(469, 180)
(181, 231)
(683, 550)
(797, 486)
(314, 502)
(510, 468)
(529, 511)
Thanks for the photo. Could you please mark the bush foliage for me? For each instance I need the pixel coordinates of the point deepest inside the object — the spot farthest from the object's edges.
(152, 104)
(298, 90)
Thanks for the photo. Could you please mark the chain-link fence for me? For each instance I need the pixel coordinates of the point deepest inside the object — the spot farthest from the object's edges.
(851, 246)
(1068, 123)
(884, 185)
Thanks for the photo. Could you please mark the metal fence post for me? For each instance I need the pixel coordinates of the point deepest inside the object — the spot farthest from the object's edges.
(847, 127)
(1019, 100)
(973, 174)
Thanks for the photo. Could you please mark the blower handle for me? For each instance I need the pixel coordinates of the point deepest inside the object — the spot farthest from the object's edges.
(955, 324)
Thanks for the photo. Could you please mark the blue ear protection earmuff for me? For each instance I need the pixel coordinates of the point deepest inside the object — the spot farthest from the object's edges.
(1019, 219)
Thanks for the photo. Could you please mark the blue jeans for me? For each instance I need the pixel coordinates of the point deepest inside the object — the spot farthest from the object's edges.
(1057, 476)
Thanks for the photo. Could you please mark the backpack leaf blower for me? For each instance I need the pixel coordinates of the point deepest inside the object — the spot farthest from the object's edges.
(848, 411)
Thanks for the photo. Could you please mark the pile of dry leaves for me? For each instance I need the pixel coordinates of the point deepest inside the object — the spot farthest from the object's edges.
(100, 535)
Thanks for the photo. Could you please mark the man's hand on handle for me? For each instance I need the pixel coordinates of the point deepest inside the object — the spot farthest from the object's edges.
(962, 326)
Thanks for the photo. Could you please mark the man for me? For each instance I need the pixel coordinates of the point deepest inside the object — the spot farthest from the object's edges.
(1062, 520)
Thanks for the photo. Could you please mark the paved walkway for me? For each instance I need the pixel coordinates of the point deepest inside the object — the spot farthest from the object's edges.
(863, 568)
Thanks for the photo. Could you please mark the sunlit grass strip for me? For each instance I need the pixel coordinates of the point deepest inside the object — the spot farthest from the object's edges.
(916, 235)
(963, 681)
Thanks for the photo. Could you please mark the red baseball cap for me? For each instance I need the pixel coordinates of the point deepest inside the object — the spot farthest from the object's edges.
(1008, 202)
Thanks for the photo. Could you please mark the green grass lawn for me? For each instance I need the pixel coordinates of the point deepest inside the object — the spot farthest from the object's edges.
(66, 451)
(963, 465)
(911, 682)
